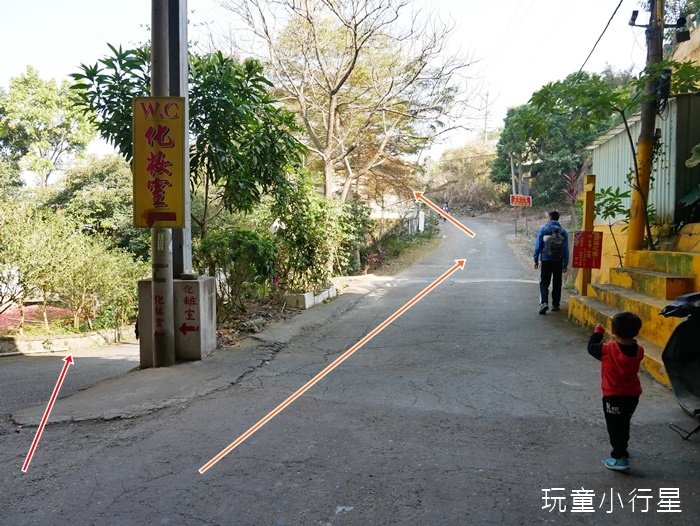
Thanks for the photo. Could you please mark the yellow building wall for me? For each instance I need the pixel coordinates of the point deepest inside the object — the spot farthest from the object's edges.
(688, 239)
(609, 258)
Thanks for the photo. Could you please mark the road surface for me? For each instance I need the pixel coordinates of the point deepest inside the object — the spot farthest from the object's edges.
(469, 409)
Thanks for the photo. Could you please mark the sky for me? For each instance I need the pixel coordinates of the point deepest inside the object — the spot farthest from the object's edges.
(517, 46)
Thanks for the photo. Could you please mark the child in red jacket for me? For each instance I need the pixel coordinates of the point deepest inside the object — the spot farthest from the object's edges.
(619, 366)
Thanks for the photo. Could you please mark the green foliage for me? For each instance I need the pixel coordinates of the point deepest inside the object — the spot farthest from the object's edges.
(242, 142)
(106, 89)
(565, 116)
(522, 128)
(397, 240)
(120, 294)
(10, 181)
(609, 206)
(97, 194)
(236, 256)
(46, 255)
(306, 247)
(39, 127)
(353, 226)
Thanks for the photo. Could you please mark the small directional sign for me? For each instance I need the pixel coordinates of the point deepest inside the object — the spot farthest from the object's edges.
(520, 200)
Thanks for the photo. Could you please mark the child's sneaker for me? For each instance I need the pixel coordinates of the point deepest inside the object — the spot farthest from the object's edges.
(617, 464)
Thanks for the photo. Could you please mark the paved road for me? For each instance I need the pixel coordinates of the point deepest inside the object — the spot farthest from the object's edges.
(29, 379)
(461, 412)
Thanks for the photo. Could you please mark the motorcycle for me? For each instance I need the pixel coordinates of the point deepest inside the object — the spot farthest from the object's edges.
(681, 357)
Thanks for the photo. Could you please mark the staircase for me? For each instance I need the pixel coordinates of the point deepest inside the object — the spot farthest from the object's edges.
(649, 283)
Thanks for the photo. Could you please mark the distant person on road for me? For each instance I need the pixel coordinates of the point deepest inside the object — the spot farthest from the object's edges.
(446, 209)
(619, 368)
(552, 248)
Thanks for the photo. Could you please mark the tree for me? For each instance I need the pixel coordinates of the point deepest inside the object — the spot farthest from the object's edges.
(592, 101)
(42, 129)
(46, 255)
(97, 194)
(13, 146)
(518, 143)
(366, 91)
(463, 175)
(98, 282)
(551, 137)
(239, 256)
(242, 142)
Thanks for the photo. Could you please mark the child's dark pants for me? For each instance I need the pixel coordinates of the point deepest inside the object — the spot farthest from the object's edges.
(618, 413)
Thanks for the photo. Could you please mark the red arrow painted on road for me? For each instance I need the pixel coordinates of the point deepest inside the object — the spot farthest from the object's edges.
(68, 361)
(184, 329)
(459, 264)
(446, 215)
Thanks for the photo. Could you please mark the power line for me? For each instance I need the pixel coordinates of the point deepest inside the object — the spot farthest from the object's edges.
(601, 36)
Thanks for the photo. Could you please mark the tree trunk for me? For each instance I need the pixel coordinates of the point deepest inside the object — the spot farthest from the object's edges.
(20, 326)
(329, 177)
(44, 313)
(348, 180)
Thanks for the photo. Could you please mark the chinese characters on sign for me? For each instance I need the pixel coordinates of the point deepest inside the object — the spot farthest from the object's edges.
(520, 200)
(158, 164)
(642, 500)
(190, 321)
(588, 248)
(159, 311)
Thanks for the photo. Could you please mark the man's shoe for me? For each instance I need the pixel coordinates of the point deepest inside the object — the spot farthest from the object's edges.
(617, 464)
(555, 308)
(544, 308)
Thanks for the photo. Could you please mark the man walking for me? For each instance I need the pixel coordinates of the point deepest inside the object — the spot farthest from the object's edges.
(552, 248)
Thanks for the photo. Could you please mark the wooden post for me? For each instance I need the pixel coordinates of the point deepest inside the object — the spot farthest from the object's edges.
(583, 279)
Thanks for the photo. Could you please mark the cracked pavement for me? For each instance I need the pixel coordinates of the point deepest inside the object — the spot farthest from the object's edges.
(461, 412)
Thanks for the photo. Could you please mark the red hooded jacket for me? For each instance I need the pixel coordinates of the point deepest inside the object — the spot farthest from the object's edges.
(619, 371)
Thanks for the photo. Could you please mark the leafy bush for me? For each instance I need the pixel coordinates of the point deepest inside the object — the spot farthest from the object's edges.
(304, 240)
(47, 256)
(236, 256)
(396, 241)
(316, 237)
(353, 228)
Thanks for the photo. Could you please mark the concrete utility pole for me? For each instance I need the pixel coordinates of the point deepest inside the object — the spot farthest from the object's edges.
(177, 308)
(177, 67)
(645, 143)
(162, 303)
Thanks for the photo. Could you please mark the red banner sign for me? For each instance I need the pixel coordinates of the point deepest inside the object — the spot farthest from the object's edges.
(588, 248)
(520, 200)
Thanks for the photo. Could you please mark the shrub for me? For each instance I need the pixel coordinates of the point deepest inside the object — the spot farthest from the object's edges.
(304, 238)
(236, 256)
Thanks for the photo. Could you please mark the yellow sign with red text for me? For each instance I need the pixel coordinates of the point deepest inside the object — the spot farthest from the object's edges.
(158, 163)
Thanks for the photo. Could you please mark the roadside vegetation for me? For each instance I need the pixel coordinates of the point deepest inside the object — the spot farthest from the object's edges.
(296, 151)
(281, 198)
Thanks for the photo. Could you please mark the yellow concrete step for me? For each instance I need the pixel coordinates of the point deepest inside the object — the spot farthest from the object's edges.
(655, 328)
(651, 282)
(588, 312)
(675, 263)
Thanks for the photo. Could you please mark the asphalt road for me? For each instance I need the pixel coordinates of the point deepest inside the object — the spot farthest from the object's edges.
(469, 409)
(29, 379)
